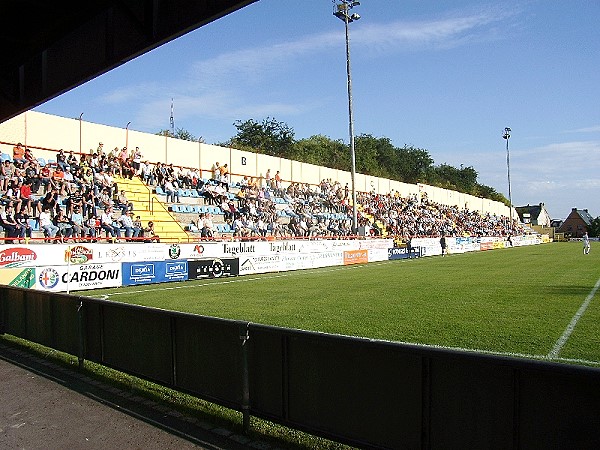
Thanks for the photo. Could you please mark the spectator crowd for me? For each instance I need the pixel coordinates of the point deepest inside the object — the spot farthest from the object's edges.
(78, 197)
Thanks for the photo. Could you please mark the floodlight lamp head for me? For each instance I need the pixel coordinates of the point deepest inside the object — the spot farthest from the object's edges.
(354, 16)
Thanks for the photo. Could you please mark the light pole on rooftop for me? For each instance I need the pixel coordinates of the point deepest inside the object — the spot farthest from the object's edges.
(341, 10)
(506, 136)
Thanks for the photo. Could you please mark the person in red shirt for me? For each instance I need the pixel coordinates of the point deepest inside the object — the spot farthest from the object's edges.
(26, 196)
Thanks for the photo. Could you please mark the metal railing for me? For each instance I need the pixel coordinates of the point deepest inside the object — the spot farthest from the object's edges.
(366, 393)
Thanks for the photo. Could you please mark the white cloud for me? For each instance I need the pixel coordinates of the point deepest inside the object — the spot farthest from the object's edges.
(592, 129)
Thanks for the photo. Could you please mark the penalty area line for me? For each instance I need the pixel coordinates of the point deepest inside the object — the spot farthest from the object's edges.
(567, 333)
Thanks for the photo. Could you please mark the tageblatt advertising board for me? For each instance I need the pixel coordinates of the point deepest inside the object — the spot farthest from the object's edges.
(78, 277)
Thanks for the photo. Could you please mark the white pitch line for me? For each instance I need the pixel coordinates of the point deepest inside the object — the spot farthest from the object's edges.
(567, 333)
(241, 279)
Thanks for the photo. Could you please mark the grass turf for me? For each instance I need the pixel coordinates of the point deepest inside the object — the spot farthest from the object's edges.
(514, 301)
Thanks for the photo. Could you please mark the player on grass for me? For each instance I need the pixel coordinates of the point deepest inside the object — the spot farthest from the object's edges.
(586, 244)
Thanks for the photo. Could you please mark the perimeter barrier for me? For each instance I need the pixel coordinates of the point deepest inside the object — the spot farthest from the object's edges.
(370, 394)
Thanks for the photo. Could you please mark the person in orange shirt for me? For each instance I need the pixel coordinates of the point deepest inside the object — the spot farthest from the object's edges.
(57, 177)
(19, 154)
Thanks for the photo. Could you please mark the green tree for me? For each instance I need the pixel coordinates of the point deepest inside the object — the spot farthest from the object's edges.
(323, 151)
(414, 165)
(594, 228)
(269, 137)
(180, 133)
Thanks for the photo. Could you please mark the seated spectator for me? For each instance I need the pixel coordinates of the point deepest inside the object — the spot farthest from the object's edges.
(207, 225)
(61, 160)
(9, 223)
(31, 161)
(46, 223)
(172, 190)
(22, 218)
(123, 202)
(149, 233)
(137, 225)
(65, 229)
(19, 154)
(80, 229)
(126, 221)
(46, 179)
(106, 223)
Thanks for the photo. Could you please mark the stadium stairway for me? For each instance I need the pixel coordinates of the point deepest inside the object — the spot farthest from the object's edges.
(380, 225)
(149, 207)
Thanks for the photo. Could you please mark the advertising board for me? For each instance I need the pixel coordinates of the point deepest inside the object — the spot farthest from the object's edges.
(213, 268)
(78, 277)
(402, 253)
(23, 277)
(356, 257)
(146, 272)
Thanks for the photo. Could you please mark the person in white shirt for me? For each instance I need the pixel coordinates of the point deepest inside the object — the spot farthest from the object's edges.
(106, 223)
(46, 223)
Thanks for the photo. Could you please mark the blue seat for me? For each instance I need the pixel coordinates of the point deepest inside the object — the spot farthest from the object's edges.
(6, 157)
(194, 193)
(159, 191)
(34, 224)
(176, 208)
(41, 162)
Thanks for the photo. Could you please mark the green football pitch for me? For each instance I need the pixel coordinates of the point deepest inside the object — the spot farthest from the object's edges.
(534, 302)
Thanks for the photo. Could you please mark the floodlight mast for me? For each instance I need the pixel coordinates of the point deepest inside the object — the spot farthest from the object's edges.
(341, 10)
(506, 136)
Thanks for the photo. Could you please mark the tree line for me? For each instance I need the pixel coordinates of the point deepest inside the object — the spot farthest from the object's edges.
(374, 156)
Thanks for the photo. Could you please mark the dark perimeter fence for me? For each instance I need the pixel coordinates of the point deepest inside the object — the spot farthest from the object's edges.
(369, 394)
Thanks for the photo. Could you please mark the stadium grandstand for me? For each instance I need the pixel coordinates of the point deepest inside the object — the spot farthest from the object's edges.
(121, 194)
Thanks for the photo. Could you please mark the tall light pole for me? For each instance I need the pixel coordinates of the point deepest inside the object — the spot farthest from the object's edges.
(506, 136)
(341, 10)
(80, 116)
(127, 136)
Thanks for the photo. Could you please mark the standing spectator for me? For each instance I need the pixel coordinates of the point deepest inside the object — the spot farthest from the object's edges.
(443, 244)
(216, 172)
(137, 160)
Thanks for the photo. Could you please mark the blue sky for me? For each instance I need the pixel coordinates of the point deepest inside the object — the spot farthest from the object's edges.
(443, 76)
